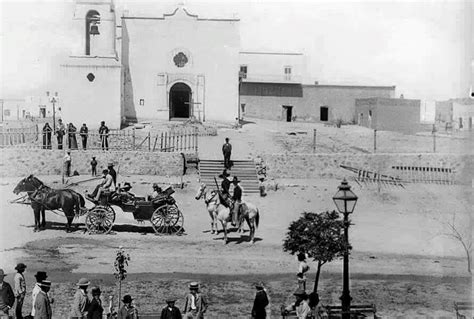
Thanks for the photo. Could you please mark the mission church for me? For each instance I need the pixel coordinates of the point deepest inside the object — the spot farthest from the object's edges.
(179, 65)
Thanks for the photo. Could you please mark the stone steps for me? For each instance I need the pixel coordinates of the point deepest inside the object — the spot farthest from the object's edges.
(245, 170)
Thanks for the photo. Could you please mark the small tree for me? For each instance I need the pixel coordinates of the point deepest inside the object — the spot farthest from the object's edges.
(319, 235)
(121, 261)
(461, 232)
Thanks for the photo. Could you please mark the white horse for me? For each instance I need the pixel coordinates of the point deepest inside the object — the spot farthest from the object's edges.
(219, 212)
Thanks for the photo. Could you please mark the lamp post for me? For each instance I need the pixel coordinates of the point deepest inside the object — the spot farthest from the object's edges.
(53, 100)
(345, 201)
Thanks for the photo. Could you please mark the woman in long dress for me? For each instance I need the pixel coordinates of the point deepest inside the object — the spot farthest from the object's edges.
(47, 131)
(72, 136)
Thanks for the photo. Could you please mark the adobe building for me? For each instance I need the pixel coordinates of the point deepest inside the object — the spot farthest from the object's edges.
(126, 68)
(388, 114)
(455, 113)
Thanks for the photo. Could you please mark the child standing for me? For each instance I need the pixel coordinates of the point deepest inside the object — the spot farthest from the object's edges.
(94, 166)
(302, 270)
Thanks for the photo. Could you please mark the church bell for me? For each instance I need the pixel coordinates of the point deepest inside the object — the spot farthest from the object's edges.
(94, 29)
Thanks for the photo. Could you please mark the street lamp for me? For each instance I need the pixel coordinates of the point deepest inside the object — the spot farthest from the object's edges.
(53, 100)
(345, 201)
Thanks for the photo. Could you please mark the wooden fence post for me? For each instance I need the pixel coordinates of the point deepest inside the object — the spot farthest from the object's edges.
(133, 138)
(149, 142)
(375, 141)
(314, 140)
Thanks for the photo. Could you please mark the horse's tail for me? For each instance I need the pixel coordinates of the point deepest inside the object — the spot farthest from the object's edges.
(79, 204)
(257, 218)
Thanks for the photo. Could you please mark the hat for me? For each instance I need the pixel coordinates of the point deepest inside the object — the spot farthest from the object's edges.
(155, 185)
(96, 291)
(93, 157)
(259, 284)
(45, 283)
(110, 164)
(194, 285)
(102, 122)
(226, 138)
(2, 273)
(300, 293)
(127, 185)
(105, 171)
(83, 282)
(127, 299)
(41, 275)
(235, 180)
(170, 299)
(224, 174)
(20, 266)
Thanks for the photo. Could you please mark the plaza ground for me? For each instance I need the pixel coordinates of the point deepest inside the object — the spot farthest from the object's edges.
(402, 259)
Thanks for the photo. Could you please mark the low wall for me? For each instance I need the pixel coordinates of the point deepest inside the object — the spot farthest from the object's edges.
(21, 162)
(327, 165)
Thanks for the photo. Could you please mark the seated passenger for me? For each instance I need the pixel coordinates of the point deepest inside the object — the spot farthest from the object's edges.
(96, 189)
(301, 305)
(108, 184)
(156, 192)
(123, 193)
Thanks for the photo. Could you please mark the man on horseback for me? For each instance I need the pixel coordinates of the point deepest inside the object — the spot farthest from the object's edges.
(237, 199)
(224, 193)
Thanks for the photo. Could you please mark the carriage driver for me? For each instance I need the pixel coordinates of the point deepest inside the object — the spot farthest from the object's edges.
(107, 185)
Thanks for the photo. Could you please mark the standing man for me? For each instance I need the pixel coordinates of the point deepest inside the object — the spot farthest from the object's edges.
(71, 133)
(227, 151)
(81, 300)
(128, 310)
(42, 303)
(84, 131)
(170, 311)
(104, 135)
(60, 132)
(260, 302)
(20, 289)
(237, 199)
(110, 167)
(7, 298)
(67, 163)
(40, 276)
(94, 166)
(195, 304)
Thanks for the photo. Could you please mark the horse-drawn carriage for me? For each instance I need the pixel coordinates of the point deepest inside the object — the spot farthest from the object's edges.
(162, 212)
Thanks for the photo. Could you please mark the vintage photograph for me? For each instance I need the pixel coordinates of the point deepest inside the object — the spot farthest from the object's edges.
(255, 159)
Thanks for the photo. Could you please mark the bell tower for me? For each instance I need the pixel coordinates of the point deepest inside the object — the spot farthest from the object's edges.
(95, 28)
(90, 81)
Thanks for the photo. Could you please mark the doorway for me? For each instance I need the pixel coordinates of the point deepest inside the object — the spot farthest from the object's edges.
(180, 98)
(42, 113)
(288, 112)
(323, 113)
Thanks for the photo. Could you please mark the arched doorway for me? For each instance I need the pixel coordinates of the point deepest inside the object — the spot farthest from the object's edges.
(180, 98)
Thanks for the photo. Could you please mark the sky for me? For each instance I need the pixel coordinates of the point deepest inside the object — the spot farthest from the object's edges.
(422, 47)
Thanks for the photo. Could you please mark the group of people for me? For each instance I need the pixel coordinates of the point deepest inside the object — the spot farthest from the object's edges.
(234, 201)
(70, 131)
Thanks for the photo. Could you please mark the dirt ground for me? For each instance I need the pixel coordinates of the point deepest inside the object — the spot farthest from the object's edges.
(403, 259)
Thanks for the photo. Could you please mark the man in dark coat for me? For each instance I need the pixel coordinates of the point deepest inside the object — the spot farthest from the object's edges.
(171, 311)
(42, 302)
(260, 302)
(224, 194)
(227, 151)
(95, 310)
(84, 132)
(104, 135)
(112, 172)
(237, 199)
(60, 132)
(7, 297)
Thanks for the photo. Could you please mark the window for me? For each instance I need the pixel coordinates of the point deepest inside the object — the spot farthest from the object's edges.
(142, 102)
(287, 73)
(323, 113)
(242, 108)
(243, 71)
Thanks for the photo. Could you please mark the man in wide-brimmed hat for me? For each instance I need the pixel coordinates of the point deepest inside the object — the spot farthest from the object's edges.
(42, 303)
(170, 311)
(20, 289)
(224, 194)
(7, 298)
(81, 300)
(237, 199)
(260, 302)
(195, 304)
(110, 167)
(128, 310)
(40, 276)
(95, 310)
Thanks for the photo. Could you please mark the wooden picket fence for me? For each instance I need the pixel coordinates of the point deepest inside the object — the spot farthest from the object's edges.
(181, 141)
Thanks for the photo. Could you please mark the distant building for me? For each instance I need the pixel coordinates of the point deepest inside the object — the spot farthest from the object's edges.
(13, 109)
(388, 114)
(455, 113)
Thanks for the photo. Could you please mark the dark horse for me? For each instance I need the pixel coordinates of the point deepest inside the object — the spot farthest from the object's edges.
(45, 198)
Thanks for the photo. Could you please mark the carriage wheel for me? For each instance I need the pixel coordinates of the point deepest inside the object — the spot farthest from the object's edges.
(168, 220)
(100, 220)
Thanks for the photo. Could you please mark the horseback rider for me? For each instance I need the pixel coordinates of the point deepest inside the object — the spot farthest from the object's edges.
(237, 199)
(224, 194)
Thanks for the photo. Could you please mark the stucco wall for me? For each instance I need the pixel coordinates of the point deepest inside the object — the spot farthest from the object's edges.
(148, 48)
(269, 107)
(21, 162)
(399, 115)
(327, 165)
